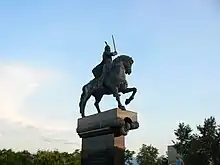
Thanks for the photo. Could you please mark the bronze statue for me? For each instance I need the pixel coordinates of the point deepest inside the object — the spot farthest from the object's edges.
(110, 78)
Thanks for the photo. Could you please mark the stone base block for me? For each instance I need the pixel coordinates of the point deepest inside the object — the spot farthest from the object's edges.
(103, 150)
(103, 136)
(114, 121)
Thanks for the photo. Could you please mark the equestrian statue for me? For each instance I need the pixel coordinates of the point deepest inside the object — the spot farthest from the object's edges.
(109, 78)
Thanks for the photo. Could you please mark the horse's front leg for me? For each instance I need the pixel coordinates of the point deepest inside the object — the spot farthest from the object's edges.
(115, 93)
(127, 90)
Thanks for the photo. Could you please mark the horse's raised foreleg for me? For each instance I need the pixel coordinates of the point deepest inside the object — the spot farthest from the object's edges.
(127, 90)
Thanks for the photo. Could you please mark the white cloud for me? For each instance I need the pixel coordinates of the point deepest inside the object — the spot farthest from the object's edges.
(17, 83)
(17, 137)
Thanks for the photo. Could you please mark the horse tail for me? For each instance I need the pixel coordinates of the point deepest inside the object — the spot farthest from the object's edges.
(86, 94)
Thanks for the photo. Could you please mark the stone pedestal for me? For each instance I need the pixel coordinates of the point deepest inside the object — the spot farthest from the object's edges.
(103, 136)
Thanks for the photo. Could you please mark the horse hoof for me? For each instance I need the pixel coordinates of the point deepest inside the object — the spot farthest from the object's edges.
(127, 101)
(122, 108)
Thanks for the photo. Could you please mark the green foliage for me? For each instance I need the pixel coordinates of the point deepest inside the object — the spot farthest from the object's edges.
(202, 148)
(147, 155)
(9, 157)
(129, 156)
(162, 160)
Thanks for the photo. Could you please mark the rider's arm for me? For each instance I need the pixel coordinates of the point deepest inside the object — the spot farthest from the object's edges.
(113, 53)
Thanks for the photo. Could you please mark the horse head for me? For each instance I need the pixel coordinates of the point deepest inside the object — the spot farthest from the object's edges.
(127, 62)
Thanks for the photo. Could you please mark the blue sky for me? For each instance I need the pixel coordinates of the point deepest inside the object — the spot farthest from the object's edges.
(48, 49)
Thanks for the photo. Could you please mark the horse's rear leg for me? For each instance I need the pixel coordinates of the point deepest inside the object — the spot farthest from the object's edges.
(83, 99)
(83, 104)
(98, 98)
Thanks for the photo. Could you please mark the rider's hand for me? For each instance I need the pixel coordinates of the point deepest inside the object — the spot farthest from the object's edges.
(115, 52)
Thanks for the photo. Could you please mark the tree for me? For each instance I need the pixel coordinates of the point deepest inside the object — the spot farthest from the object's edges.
(129, 156)
(77, 157)
(9, 157)
(184, 136)
(189, 146)
(25, 158)
(210, 140)
(162, 160)
(202, 148)
(147, 155)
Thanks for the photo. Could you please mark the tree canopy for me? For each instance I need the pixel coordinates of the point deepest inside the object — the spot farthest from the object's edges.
(199, 148)
(9, 157)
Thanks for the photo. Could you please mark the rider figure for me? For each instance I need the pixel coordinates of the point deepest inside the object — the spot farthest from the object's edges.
(102, 69)
(107, 59)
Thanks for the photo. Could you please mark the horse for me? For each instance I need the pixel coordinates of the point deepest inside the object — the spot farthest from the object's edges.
(113, 83)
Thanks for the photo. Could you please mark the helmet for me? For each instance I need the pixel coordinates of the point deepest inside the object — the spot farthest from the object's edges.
(107, 47)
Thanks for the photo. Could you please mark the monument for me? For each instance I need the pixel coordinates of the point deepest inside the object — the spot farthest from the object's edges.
(103, 134)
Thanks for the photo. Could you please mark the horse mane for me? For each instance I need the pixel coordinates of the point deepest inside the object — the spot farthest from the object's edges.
(122, 58)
